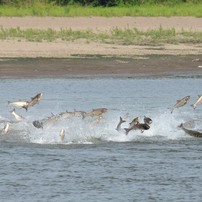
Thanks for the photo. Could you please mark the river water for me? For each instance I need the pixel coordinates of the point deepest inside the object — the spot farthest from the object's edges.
(95, 162)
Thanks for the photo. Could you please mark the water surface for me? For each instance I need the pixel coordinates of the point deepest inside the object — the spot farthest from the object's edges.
(95, 162)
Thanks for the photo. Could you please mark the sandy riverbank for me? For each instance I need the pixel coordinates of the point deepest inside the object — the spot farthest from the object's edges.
(15, 48)
(131, 60)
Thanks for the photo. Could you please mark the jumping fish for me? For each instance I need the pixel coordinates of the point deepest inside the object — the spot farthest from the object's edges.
(193, 133)
(95, 112)
(118, 128)
(23, 104)
(17, 117)
(62, 134)
(180, 103)
(50, 120)
(5, 128)
(132, 125)
(142, 126)
(66, 115)
(147, 120)
(198, 102)
(34, 100)
(134, 122)
(38, 124)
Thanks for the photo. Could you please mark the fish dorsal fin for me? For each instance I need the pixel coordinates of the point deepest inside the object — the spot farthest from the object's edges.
(199, 95)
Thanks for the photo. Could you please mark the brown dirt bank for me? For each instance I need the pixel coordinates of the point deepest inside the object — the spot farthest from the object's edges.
(155, 66)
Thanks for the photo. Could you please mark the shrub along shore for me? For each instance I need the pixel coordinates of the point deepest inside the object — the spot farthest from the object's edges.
(109, 8)
(115, 36)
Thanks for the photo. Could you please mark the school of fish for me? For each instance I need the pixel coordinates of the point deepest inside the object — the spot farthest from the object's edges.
(97, 115)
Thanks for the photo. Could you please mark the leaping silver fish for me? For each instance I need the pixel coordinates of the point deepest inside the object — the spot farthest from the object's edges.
(198, 102)
(5, 129)
(17, 117)
(34, 100)
(62, 134)
(180, 103)
(193, 133)
(23, 104)
(147, 120)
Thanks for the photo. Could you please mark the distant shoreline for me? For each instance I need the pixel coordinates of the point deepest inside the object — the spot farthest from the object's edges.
(15, 48)
(20, 58)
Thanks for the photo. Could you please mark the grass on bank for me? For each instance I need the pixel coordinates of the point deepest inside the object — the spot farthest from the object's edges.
(182, 9)
(116, 36)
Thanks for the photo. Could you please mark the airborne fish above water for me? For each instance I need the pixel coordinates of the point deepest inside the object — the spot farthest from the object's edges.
(180, 103)
(198, 102)
(34, 100)
(27, 104)
(22, 104)
(17, 117)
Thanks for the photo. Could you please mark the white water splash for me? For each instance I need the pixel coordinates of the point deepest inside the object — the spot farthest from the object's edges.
(86, 131)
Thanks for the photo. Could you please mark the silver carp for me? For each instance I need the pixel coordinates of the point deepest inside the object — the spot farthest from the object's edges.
(198, 102)
(193, 133)
(22, 104)
(62, 134)
(95, 112)
(147, 120)
(34, 100)
(5, 129)
(17, 117)
(180, 103)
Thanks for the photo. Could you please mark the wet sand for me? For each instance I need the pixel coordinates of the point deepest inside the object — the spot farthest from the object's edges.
(20, 58)
(148, 66)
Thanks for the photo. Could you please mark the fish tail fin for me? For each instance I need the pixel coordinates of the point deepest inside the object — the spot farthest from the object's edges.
(25, 107)
(193, 106)
(121, 120)
(181, 125)
(127, 130)
(12, 110)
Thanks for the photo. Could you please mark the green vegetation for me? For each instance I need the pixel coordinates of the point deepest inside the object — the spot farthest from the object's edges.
(116, 36)
(109, 8)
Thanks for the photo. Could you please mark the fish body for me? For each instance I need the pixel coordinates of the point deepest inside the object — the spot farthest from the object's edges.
(142, 126)
(34, 100)
(132, 125)
(118, 128)
(180, 103)
(38, 124)
(95, 112)
(66, 115)
(198, 102)
(5, 128)
(47, 121)
(147, 120)
(50, 120)
(193, 133)
(134, 122)
(17, 117)
(22, 104)
(62, 134)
